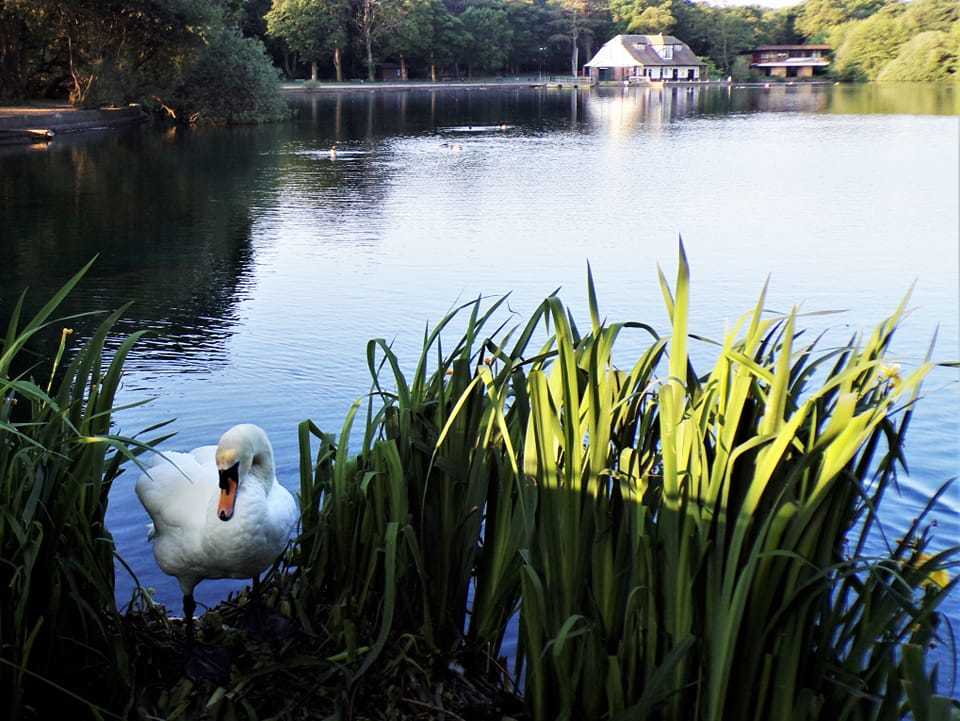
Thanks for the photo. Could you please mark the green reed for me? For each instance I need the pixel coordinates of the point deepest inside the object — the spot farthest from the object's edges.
(58, 458)
(678, 545)
(674, 544)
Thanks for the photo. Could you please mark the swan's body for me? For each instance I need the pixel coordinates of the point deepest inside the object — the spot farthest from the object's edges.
(218, 511)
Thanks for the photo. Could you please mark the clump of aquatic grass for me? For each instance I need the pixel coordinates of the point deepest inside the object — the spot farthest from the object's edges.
(59, 640)
(432, 509)
(699, 550)
(679, 546)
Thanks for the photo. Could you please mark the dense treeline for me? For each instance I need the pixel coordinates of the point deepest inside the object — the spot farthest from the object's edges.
(874, 39)
(888, 41)
(458, 38)
(210, 59)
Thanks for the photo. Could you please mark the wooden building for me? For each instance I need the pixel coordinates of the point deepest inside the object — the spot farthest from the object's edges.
(789, 61)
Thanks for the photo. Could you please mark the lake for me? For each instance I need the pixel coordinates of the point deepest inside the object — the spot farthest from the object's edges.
(264, 264)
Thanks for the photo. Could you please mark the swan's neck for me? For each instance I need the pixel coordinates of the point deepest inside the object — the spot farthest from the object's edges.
(262, 472)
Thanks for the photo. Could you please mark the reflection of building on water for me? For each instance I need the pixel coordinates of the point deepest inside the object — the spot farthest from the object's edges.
(622, 108)
(780, 98)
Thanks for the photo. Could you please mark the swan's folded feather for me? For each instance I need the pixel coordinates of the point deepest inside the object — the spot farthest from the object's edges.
(177, 491)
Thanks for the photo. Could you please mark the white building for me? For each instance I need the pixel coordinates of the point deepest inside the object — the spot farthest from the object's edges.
(650, 57)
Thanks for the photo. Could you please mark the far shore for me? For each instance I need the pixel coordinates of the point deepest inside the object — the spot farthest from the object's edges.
(370, 85)
(328, 86)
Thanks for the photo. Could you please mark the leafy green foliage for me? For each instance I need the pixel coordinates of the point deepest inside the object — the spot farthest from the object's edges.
(865, 48)
(429, 33)
(128, 47)
(312, 28)
(144, 51)
(641, 16)
(818, 17)
(868, 45)
(232, 81)
(928, 57)
(489, 35)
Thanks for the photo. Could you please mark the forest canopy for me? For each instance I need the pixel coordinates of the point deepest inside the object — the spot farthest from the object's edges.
(220, 60)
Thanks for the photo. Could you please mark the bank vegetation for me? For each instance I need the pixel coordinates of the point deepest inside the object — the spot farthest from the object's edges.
(530, 520)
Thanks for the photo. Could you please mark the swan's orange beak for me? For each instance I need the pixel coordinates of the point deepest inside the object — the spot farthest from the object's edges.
(229, 483)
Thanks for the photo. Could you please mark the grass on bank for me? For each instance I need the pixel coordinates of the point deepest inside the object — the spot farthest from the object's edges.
(670, 543)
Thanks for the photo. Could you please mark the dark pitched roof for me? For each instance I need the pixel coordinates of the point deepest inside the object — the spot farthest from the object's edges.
(771, 48)
(641, 48)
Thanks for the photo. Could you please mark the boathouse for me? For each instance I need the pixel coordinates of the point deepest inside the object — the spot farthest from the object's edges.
(789, 61)
(644, 58)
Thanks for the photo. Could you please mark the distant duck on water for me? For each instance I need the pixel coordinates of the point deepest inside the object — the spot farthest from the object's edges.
(218, 513)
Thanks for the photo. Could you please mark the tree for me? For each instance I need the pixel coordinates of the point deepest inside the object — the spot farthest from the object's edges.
(573, 22)
(933, 56)
(427, 31)
(818, 17)
(870, 44)
(115, 51)
(643, 16)
(530, 22)
(231, 82)
(488, 36)
(375, 20)
(312, 28)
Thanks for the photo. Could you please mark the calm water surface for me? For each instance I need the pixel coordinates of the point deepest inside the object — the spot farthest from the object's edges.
(264, 265)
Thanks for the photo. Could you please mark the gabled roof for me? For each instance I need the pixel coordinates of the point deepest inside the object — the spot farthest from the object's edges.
(624, 51)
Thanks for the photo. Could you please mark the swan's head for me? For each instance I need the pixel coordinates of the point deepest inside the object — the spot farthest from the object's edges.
(244, 455)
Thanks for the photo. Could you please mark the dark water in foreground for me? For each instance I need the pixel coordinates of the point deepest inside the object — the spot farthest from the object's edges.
(264, 265)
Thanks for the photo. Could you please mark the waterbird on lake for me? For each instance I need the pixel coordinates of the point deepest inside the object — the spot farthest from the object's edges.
(333, 152)
(218, 512)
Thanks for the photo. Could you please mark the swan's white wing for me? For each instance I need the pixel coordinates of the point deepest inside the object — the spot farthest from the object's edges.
(205, 455)
(282, 510)
(177, 491)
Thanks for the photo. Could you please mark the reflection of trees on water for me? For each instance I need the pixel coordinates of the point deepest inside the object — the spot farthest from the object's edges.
(168, 214)
(376, 116)
(892, 98)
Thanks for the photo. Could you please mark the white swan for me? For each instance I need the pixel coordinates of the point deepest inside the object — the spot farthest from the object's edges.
(219, 512)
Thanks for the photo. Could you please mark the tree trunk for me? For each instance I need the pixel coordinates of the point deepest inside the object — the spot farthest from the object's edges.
(403, 68)
(575, 54)
(313, 71)
(288, 64)
(338, 64)
(371, 68)
(433, 72)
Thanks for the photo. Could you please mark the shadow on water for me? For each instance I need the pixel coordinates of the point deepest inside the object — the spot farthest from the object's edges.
(169, 215)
